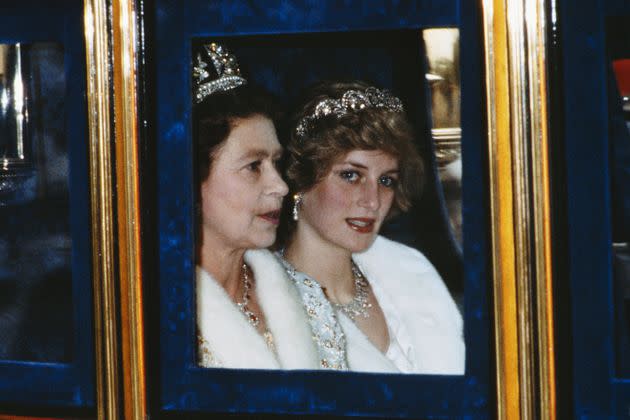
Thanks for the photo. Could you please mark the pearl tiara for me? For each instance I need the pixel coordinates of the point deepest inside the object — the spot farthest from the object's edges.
(351, 101)
(226, 66)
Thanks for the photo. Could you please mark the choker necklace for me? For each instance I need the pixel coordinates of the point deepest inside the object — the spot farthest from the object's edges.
(252, 318)
(359, 304)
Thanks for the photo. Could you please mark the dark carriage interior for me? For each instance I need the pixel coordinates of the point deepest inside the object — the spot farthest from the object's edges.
(618, 46)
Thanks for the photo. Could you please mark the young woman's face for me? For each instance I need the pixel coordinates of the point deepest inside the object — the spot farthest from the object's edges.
(346, 209)
(242, 196)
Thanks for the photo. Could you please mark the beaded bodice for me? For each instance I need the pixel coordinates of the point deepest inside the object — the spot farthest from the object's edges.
(327, 332)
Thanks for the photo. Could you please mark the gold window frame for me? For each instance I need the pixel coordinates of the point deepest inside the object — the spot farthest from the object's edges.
(516, 95)
(111, 35)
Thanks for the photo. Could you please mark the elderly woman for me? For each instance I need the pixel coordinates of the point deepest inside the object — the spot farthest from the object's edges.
(374, 304)
(248, 312)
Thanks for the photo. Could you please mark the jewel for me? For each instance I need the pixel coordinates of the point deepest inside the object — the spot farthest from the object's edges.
(351, 100)
(359, 304)
(251, 317)
(226, 67)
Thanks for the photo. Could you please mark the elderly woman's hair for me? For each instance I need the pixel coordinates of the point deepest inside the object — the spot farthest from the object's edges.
(312, 154)
(219, 113)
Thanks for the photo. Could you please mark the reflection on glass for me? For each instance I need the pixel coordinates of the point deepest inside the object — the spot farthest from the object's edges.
(619, 141)
(442, 47)
(35, 240)
(15, 154)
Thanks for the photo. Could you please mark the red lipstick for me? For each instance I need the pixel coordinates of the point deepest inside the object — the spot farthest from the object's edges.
(361, 224)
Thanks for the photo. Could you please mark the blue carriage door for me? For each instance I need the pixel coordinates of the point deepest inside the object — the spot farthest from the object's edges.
(46, 333)
(285, 46)
(595, 45)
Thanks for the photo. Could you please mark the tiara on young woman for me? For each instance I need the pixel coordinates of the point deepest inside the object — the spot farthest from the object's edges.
(351, 101)
(226, 66)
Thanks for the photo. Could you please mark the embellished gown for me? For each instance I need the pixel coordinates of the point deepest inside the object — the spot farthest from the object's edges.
(424, 324)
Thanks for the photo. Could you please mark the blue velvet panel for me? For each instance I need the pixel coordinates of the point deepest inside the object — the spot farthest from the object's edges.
(358, 39)
(69, 383)
(597, 393)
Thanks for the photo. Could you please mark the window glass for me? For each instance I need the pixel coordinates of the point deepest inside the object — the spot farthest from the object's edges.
(442, 50)
(35, 240)
(619, 129)
(288, 66)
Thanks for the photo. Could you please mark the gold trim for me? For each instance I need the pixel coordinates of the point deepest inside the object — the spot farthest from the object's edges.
(127, 164)
(519, 86)
(501, 209)
(106, 345)
(514, 33)
(541, 208)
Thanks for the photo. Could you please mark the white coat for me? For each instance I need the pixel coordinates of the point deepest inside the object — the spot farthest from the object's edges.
(423, 304)
(226, 339)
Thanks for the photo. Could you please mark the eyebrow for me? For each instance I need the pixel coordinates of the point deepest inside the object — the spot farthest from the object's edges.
(261, 154)
(360, 165)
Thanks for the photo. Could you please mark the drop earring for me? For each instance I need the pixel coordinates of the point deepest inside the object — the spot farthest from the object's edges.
(297, 200)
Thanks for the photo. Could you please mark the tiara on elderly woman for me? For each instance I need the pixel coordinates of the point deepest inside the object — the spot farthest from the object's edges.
(351, 101)
(226, 66)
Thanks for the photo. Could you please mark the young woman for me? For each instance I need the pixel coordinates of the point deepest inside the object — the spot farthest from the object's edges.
(374, 304)
(248, 312)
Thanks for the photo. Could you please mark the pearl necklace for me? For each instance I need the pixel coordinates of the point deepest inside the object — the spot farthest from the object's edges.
(359, 304)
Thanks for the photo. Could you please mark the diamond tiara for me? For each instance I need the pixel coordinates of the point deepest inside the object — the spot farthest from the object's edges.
(351, 101)
(226, 66)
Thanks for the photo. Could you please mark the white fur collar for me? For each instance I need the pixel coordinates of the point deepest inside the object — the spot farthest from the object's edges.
(362, 355)
(234, 342)
(423, 301)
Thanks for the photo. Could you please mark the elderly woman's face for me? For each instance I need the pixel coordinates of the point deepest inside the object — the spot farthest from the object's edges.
(242, 196)
(347, 207)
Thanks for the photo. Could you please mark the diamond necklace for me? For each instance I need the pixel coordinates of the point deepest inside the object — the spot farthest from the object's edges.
(252, 318)
(359, 304)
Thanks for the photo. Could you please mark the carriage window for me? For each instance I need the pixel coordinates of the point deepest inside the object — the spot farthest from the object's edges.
(35, 239)
(619, 128)
(442, 50)
(404, 67)
(286, 50)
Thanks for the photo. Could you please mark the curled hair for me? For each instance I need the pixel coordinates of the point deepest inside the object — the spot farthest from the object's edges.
(311, 157)
(219, 113)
